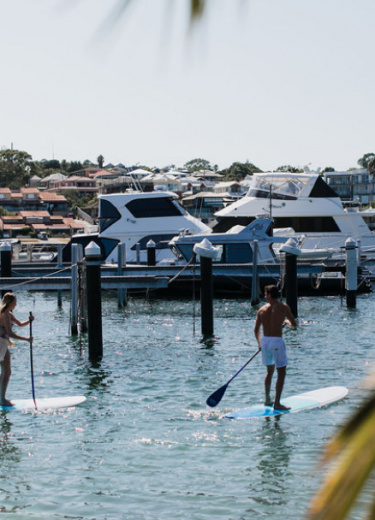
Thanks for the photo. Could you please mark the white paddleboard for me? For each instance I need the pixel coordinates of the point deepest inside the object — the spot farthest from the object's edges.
(297, 403)
(45, 403)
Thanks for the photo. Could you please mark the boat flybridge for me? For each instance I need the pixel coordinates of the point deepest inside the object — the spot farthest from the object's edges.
(133, 218)
(303, 206)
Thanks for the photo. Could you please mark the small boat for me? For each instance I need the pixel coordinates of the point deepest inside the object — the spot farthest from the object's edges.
(238, 243)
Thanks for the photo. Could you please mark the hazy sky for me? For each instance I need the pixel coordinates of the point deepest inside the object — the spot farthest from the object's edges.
(274, 82)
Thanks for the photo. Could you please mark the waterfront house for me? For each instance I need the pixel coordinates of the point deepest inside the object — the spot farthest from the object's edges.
(49, 181)
(32, 199)
(355, 186)
(233, 190)
(34, 222)
(82, 185)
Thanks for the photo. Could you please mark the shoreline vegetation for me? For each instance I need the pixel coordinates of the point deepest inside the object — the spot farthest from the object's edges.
(17, 167)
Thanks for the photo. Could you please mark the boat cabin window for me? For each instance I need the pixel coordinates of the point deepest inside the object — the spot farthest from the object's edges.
(154, 208)
(108, 214)
(237, 254)
(307, 224)
(278, 186)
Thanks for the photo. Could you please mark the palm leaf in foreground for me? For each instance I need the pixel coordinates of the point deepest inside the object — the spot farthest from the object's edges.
(353, 452)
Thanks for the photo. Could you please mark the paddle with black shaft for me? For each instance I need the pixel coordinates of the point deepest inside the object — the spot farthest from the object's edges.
(31, 359)
(217, 396)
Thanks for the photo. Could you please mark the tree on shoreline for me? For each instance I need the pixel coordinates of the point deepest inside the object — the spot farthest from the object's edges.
(238, 171)
(15, 168)
(199, 164)
(367, 161)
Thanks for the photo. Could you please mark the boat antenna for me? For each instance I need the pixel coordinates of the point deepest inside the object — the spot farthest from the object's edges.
(270, 211)
(271, 229)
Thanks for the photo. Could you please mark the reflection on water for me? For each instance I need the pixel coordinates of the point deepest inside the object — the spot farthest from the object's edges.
(274, 461)
(8, 450)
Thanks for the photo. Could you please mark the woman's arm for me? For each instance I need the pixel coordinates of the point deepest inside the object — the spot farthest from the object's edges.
(21, 323)
(9, 319)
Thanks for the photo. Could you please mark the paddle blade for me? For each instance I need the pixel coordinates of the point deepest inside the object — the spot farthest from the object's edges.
(217, 396)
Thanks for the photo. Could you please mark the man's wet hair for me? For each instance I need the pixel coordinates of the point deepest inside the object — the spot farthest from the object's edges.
(273, 291)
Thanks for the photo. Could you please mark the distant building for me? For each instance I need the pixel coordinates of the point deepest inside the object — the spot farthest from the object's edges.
(35, 181)
(36, 222)
(356, 186)
(31, 199)
(207, 175)
(232, 189)
(49, 181)
(82, 185)
(203, 205)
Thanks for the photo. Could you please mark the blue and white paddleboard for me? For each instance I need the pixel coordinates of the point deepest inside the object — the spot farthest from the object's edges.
(297, 403)
(46, 403)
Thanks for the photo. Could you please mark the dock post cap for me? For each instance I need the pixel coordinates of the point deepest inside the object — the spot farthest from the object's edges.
(290, 247)
(206, 250)
(350, 243)
(92, 249)
(5, 246)
(150, 244)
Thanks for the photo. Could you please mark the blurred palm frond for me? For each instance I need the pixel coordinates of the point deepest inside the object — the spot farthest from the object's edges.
(352, 453)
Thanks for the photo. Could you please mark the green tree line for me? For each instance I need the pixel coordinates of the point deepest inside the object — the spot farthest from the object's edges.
(17, 167)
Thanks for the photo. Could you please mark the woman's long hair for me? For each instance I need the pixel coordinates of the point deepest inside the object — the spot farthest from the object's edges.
(8, 298)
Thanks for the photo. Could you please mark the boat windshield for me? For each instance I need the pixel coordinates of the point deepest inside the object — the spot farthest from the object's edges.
(277, 186)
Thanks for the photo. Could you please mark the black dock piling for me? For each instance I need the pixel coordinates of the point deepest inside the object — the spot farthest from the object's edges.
(6, 261)
(207, 296)
(151, 253)
(94, 300)
(207, 253)
(74, 291)
(291, 283)
(121, 261)
(255, 278)
(351, 277)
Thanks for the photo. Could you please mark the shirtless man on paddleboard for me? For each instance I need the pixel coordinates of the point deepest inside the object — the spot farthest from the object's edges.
(273, 317)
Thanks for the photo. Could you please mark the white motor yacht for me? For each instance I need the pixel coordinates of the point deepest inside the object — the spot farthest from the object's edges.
(304, 207)
(135, 218)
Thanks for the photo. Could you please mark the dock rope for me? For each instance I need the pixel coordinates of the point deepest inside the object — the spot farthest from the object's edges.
(40, 277)
(182, 270)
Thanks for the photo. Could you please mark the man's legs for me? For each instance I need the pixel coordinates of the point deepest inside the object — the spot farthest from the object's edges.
(281, 373)
(267, 384)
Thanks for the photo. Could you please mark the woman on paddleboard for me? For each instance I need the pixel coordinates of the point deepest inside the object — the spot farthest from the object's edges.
(7, 319)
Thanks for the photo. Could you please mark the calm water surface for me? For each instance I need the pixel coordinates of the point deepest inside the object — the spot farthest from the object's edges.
(145, 445)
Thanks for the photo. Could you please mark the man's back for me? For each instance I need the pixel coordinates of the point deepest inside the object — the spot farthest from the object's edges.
(272, 316)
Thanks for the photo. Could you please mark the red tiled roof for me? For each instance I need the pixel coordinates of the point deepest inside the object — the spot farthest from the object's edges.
(51, 195)
(29, 190)
(16, 217)
(13, 226)
(73, 223)
(36, 213)
(39, 226)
